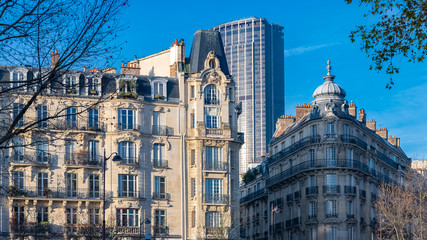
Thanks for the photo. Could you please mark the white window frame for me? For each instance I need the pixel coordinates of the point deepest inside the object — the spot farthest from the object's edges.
(125, 116)
(127, 217)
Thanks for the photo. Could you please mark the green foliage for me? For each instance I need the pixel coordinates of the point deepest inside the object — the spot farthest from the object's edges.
(16, 192)
(250, 175)
(401, 30)
(158, 96)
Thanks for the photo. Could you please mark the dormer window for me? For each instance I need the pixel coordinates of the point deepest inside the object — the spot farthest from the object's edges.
(158, 89)
(93, 86)
(212, 63)
(18, 79)
(211, 95)
(71, 85)
(127, 87)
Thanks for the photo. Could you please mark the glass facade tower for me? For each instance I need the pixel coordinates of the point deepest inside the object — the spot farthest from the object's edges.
(254, 49)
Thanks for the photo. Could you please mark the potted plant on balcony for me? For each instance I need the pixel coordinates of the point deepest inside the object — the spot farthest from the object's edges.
(93, 91)
(14, 191)
(47, 192)
(158, 96)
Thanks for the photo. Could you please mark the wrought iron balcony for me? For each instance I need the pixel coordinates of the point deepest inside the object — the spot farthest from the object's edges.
(350, 215)
(77, 160)
(331, 215)
(215, 198)
(296, 221)
(312, 191)
(162, 130)
(312, 216)
(293, 148)
(84, 125)
(127, 127)
(126, 230)
(214, 131)
(129, 161)
(128, 194)
(161, 230)
(297, 195)
(277, 227)
(160, 163)
(56, 192)
(331, 189)
(216, 231)
(215, 166)
(33, 158)
(161, 196)
(253, 196)
(350, 190)
(354, 140)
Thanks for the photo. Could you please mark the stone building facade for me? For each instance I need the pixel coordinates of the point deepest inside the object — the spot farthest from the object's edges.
(169, 146)
(321, 178)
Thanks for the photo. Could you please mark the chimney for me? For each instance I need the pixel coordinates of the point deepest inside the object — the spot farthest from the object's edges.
(130, 68)
(301, 110)
(54, 58)
(283, 122)
(382, 132)
(362, 116)
(371, 124)
(394, 141)
(352, 109)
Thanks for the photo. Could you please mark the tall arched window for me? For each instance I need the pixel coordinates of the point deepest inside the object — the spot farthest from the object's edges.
(211, 95)
(127, 152)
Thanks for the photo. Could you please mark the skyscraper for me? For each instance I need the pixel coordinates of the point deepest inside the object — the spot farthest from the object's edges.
(254, 50)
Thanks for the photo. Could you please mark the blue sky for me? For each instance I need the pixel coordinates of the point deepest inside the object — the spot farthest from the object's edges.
(314, 31)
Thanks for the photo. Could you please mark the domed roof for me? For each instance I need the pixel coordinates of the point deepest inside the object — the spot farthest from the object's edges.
(329, 89)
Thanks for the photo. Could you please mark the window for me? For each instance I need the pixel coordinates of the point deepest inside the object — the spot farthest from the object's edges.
(312, 157)
(331, 208)
(311, 181)
(41, 114)
(193, 187)
(93, 119)
(72, 220)
(93, 151)
(314, 130)
(331, 156)
(18, 149)
(18, 215)
(349, 157)
(127, 152)
(71, 117)
(159, 187)
(127, 119)
(330, 128)
(71, 84)
(94, 186)
(312, 209)
(371, 163)
(350, 180)
(158, 154)
(193, 157)
(94, 216)
(127, 217)
(18, 179)
(93, 86)
(331, 233)
(70, 147)
(71, 182)
(127, 185)
(159, 127)
(213, 220)
(312, 233)
(211, 121)
(42, 151)
(42, 184)
(43, 215)
(346, 130)
(214, 158)
(193, 120)
(193, 91)
(17, 108)
(213, 191)
(158, 89)
(331, 179)
(18, 79)
(160, 221)
(211, 95)
(350, 233)
(292, 140)
(350, 210)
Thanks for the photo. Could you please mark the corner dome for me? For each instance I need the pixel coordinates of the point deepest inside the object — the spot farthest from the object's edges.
(329, 89)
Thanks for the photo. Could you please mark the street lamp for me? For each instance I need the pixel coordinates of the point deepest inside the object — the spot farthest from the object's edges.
(115, 158)
(146, 221)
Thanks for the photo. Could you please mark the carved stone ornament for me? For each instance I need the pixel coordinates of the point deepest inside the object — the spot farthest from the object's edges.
(214, 143)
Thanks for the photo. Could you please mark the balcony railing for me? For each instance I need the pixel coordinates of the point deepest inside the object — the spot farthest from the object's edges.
(373, 196)
(129, 161)
(160, 163)
(331, 189)
(311, 191)
(215, 166)
(296, 221)
(84, 125)
(33, 158)
(293, 148)
(161, 230)
(312, 216)
(214, 131)
(319, 163)
(161, 196)
(127, 127)
(162, 130)
(350, 190)
(128, 194)
(253, 196)
(387, 160)
(355, 140)
(350, 215)
(215, 198)
(57, 192)
(127, 230)
(77, 160)
(331, 215)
